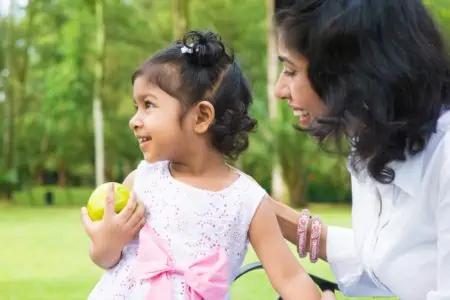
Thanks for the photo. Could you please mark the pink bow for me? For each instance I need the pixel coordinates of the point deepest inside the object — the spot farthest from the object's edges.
(207, 278)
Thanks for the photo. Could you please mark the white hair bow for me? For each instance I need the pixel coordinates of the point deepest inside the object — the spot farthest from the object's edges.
(185, 49)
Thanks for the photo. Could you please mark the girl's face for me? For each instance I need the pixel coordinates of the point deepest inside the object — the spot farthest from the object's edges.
(293, 85)
(156, 123)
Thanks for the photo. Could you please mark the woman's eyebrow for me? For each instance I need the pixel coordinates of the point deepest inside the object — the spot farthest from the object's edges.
(285, 59)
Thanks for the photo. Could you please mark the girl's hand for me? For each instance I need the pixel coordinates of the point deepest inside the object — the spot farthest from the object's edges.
(111, 234)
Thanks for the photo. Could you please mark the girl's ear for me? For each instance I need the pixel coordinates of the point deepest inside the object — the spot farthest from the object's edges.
(204, 116)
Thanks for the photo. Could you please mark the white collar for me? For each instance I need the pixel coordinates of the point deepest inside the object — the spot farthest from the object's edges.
(409, 173)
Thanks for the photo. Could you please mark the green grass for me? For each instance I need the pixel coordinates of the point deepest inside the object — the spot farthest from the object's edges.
(61, 197)
(44, 256)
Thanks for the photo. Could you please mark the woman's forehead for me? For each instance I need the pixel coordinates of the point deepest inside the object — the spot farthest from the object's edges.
(289, 56)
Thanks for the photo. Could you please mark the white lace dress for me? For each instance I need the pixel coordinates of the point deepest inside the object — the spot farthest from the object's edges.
(191, 222)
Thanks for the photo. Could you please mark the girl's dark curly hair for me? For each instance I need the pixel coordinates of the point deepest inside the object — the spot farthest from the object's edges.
(199, 68)
(381, 68)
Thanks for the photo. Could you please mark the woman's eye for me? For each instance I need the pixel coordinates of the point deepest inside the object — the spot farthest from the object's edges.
(288, 72)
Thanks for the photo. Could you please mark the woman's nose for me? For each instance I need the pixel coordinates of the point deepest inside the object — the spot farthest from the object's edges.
(281, 90)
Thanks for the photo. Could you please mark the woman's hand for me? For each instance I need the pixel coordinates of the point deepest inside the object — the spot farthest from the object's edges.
(111, 234)
(327, 295)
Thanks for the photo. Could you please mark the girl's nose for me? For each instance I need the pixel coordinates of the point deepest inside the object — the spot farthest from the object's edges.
(135, 122)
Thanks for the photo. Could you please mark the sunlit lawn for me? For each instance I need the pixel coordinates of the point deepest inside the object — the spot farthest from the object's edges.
(43, 256)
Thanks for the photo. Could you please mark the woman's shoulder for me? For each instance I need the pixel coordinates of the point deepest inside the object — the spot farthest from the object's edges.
(433, 157)
(439, 143)
(443, 123)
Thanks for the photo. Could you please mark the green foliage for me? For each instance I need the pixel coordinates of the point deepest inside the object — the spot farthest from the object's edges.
(53, 124)
(8, 177)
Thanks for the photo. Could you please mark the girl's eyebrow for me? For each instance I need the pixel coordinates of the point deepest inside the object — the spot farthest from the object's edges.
(145, 95)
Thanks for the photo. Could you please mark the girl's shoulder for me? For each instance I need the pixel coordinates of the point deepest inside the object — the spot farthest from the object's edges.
(252, 184)
(147, 173)
(250, 191)
(129, 180)
(146, 167)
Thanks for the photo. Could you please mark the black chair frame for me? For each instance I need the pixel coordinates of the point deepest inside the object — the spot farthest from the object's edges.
(322, 283)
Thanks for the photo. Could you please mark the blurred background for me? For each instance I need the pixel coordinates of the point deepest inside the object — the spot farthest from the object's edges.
(65, 102)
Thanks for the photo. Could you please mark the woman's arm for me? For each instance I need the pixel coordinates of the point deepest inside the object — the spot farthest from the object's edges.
(337, 246)
(287, 276)
(288, 220)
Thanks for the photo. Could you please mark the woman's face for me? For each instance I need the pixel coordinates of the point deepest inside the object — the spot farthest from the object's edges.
(293, 85)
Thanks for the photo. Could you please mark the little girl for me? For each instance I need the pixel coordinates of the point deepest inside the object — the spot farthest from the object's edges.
(192, 103)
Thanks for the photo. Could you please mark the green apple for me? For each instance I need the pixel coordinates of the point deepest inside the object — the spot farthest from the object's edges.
(96, 203)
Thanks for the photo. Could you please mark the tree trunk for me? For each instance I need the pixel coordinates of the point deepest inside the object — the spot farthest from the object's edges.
(40, 175)
(298, 192)
(62, 174)
(97, 101)
(22, 71)
(279, 190)
(109, 174)
(9, 109)
(180, 19)
(15, 85)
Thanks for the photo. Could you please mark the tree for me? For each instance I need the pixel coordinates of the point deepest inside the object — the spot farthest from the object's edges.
(97, 101)
(65, 63)
(180, 18)
(279, 191)
(9, 110)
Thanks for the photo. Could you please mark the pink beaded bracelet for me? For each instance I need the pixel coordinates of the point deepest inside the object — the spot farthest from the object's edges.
(316, 229)
(302, 229)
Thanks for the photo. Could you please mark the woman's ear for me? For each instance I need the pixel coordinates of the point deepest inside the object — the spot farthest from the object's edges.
(204, 116)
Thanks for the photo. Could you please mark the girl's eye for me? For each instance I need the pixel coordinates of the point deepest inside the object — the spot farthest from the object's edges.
(149, 104)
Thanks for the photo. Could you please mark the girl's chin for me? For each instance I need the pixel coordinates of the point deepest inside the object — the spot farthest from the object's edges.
(149, 158)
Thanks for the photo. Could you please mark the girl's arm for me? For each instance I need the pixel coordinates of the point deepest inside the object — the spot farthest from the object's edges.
(110, 235)
(286, 274)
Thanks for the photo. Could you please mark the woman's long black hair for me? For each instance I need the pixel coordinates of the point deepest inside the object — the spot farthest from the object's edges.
(382, 69)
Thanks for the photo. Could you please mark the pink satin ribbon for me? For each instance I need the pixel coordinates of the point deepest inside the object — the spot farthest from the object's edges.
(205, 279)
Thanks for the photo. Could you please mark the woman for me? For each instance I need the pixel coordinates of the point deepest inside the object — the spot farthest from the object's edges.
(377, 73)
